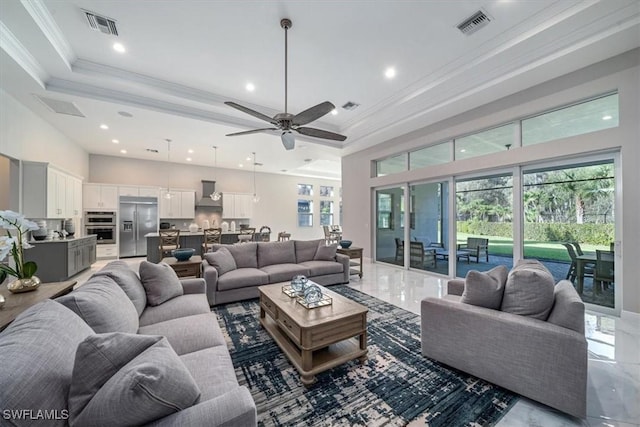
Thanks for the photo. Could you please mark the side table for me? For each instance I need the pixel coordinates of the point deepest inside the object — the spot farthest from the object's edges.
(188, 268)
(353, 253)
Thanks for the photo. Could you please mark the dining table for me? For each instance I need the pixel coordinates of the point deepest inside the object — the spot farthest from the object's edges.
(581, 262)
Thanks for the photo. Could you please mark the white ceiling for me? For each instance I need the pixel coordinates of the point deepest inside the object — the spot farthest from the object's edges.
(185, 58)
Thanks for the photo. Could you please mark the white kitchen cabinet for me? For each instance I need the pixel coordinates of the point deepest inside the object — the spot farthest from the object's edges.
(182, 204)
(148, 192)
(132, 191)
(237, 205)
(77, 197)
(100, 197)
(47, 192)
(106, 251)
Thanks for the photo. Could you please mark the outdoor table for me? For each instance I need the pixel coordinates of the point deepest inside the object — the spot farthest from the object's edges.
(581, 262)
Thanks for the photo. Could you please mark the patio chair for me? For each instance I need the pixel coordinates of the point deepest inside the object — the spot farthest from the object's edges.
(604, 274)
(572, 273)
(419, 257)
(476, 247)
(399, 249)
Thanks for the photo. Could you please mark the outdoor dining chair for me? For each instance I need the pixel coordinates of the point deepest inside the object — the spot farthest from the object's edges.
(572, 273)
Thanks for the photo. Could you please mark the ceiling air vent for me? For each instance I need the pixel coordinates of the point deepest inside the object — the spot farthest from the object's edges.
(101, 23)
(474, 22)
(60, 107)
(350, 105)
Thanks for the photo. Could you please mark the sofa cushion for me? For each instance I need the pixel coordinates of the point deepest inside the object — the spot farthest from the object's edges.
(160, 282)
(568, 308)
(38, 349)
(485, 289)
(326, 252)
(188, 334)
(529, 290)
(103, 305)
(320, 268)
(284, 272)
(222, 260)
(306, 249)
(128, 280)
(184, 305)
(212, 370)
(125, 379)
(242, 278)
(276, 253)
(245, 255)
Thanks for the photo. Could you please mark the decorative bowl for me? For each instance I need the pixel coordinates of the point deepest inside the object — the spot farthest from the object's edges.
(345, 244)
(183, 254)
(299, 284)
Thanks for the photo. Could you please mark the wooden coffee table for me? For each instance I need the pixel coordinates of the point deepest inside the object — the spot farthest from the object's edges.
(188, 268)
(316, 339)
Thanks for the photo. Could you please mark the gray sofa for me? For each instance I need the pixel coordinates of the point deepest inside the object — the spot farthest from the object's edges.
(542, 357)
(69, 356)
(257, 264)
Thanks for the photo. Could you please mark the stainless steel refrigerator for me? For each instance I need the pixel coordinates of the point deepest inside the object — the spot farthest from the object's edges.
(138, 217)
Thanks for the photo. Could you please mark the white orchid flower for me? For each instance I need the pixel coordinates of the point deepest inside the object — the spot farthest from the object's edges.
(10, 219)
(6, 243)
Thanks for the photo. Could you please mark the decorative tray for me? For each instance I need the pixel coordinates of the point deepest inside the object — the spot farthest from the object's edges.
(326, 300)
(288, 290)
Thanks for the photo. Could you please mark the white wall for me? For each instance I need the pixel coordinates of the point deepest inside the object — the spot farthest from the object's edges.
(26, 136)
(620, 73)
(278, 193)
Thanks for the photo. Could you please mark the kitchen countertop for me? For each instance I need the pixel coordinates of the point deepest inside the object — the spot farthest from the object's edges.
(66, 240)
(188, 233)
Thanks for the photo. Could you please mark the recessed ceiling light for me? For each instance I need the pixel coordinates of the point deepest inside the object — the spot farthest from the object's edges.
(188, 159)
(115, 141)
(390, 73)
(463, 150)
(607, 117)
(103, 126)
(250, 87)
(248, 159)
(119, 47)
(334, 112)
(240, 165)
(123, 151)
(190, 151)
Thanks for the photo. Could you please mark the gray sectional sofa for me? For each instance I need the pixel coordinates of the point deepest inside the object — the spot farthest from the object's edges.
(519, 331)
(234, 272)
(123, 350)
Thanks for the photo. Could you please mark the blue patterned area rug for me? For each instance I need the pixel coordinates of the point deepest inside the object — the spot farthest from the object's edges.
(396, 386)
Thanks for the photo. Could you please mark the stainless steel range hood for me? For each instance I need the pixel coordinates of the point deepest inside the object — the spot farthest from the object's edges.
(209, 187)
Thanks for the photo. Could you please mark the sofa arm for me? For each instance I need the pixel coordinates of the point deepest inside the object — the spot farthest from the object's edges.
(233, 409)
(345, 261)
(534, 358)
(193, 286)
(210, 275)
(455, 287)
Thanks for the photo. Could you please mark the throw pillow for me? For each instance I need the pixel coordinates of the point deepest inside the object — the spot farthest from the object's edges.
(120, 272)
(326, 252)
(222, 260)
(485, 289)
(160, 282)
(128, 379)
(529, 290)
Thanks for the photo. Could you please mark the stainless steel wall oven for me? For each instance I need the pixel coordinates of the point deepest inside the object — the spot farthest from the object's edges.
(102, 224)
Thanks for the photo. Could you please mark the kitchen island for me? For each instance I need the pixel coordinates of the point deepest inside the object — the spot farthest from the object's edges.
(187, 240)
(60, 259)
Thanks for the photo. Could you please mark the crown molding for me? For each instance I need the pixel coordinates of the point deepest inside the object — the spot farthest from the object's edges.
(44, 20)
(21, 55)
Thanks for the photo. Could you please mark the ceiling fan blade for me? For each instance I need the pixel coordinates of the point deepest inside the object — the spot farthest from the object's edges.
(248, 132)
(288, 140)
(313, 113)
(254, 113)
(319, 133)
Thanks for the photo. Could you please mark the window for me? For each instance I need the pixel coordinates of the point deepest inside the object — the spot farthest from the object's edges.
(391, 165)
(485, 142)
(305, 213)
(590, 116)
(326, 191)
(305, 190)
(326, 212)
(433, 155)
(385, 209)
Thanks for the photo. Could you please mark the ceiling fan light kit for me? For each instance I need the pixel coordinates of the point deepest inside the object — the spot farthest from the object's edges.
(286, 122)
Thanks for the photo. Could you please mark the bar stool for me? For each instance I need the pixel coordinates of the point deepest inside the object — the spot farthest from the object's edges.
(283, 236)
(211, 237)
(169, 240)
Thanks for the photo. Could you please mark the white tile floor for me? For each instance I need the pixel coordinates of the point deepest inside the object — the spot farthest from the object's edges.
(613, 387)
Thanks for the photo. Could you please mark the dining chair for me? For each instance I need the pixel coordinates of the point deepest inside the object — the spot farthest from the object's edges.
(265, 233)
(605, 269)
(572, 273)
(211, 236)
(283, 236)
(169, 240)
(247, 234)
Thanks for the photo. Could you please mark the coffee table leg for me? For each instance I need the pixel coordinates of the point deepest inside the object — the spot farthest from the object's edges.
(307, 365)
(363, 346)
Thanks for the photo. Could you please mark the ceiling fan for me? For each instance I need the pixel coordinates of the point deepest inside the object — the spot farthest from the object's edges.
(287, 122)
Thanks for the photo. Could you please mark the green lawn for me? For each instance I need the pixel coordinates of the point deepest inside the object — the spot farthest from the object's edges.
(499, 245)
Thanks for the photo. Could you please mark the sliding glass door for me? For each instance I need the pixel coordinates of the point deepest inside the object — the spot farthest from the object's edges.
(389, 217)
(429, 222)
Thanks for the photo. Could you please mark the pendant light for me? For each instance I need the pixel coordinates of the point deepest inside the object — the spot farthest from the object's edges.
(256, 198)
(168, 194)
(215, 196)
